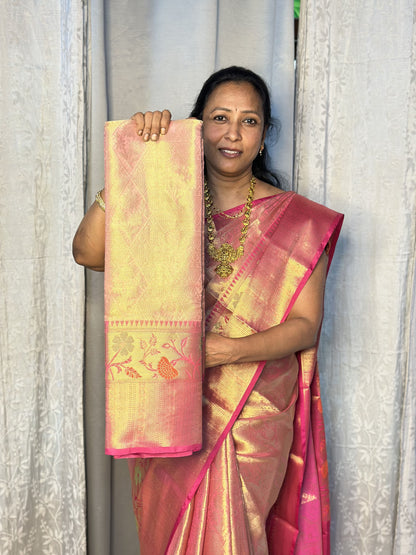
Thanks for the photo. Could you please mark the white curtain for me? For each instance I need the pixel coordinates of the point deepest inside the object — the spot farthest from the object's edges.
(42, 485)
(356, 152)
(152, 55)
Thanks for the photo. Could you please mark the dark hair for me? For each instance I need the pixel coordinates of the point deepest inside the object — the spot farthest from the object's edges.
(236, 74)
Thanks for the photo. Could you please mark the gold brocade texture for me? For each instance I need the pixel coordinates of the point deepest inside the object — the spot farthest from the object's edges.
(153, 290)
(218, 500)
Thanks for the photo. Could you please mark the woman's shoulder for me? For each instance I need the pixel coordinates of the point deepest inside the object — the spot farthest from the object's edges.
(311, 206)
(303, 206)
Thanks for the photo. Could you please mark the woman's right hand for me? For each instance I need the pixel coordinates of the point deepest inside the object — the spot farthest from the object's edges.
(150, 125)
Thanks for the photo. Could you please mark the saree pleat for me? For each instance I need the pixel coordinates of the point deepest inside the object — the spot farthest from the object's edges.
(205, 526)
(218, 500)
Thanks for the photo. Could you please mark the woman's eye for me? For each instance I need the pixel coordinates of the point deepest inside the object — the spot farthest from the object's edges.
(219, 118)
(250, 121)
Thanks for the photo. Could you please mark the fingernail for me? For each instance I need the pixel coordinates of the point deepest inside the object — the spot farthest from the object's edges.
(146, 137)
(163, 130)
(140, 132)
(154, 137)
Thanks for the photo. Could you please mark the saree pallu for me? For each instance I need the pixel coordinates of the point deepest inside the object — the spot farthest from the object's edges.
(259, 438)
(153, 290)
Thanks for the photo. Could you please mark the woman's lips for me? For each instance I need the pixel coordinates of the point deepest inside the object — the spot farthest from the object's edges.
(229, 153)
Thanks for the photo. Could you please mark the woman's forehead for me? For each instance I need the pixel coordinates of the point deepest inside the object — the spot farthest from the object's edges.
(235, 95)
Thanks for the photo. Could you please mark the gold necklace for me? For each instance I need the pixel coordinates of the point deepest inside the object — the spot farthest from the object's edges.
(226, 253)
(231, 216)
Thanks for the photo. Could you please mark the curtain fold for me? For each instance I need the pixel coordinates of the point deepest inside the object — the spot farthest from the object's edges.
(355, 151)
(42, 482)
(405, 524)
(98, 467)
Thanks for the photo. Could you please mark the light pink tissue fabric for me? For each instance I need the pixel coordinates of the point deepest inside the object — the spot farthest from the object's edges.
(153, 290)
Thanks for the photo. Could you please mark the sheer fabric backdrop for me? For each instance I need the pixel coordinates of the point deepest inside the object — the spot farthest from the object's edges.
(356, 151)
(42, 481)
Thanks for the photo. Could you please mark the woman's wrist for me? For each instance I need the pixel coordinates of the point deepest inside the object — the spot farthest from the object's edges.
(233, 350)
(245, 348)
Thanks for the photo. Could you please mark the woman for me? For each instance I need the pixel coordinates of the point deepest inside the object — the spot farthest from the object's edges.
(267, 258)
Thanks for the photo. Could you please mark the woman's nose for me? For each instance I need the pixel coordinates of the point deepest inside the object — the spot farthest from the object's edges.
(233, 131)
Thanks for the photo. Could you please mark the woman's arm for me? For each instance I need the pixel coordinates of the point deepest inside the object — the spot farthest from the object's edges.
(298, 332)
(88, 243)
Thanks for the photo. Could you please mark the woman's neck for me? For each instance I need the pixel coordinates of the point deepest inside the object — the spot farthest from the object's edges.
(228, 193)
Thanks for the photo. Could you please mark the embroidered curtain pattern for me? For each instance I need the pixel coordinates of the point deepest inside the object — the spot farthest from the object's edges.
(356, 147)
(42, 489)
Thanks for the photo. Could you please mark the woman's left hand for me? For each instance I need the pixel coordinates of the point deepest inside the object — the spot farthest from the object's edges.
(218, 349)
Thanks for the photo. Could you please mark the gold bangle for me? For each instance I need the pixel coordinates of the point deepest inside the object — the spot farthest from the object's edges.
(99, 200)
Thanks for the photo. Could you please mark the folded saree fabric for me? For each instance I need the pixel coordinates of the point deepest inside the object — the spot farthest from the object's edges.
(262, 422)
(153, 290)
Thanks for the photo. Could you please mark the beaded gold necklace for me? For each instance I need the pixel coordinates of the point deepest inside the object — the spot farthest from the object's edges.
(226, 254)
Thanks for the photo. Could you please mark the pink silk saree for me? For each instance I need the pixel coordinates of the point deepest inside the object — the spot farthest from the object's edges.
(262, 422)
(153, 291)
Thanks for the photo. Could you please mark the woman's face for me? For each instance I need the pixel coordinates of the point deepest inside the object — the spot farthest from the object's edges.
(233, 129)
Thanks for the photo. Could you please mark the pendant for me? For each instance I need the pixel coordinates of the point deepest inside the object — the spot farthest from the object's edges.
(225, 254)
(224, 269)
